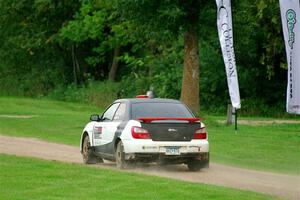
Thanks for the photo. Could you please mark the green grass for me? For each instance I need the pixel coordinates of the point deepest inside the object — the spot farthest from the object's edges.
(273, 147)
(51, 120)
(23, 178)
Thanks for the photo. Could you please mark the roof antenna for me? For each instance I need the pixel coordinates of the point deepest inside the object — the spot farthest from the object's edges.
(150, 93)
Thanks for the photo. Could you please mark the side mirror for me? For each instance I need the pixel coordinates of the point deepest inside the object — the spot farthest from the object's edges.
(95, 117)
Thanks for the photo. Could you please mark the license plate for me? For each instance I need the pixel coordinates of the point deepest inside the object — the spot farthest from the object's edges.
(172, 151)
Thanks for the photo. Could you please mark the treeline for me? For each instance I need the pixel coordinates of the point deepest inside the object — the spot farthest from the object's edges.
(50, 46)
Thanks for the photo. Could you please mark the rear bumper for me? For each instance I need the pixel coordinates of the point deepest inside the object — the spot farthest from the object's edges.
(168, 159)
(186, 149)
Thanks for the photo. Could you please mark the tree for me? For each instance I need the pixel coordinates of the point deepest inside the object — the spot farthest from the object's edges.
(30, 56)
(51, 44)
(98, 26)
(154, 17)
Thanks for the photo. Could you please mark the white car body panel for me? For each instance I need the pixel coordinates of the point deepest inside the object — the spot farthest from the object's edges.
(89, 130)
(108, 131)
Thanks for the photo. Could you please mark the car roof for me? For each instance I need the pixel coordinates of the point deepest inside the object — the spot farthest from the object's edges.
(147, 100)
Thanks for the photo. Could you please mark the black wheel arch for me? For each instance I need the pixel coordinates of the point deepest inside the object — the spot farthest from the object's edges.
(116, 143)
(82, 139)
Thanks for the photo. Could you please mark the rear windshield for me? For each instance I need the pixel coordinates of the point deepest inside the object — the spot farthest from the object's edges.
(145, 109)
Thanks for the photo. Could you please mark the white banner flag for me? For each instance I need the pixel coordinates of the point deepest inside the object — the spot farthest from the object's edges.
(224, 23)
(290, 17)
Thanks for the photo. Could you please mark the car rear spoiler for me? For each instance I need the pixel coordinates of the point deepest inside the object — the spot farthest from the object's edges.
(149, 120)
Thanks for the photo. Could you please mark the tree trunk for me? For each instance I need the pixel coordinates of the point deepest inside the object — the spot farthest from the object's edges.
(76, 67)
(114, 67)
(190, 80)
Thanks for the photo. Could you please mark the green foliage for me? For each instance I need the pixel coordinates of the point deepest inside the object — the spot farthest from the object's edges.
(268, 19)
(31, 62)
(160, 71)
(99, 94)
(161, 16)
(57, 47)
(97, 29)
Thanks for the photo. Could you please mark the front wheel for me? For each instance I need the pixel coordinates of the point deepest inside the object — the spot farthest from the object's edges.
(120, 156)
(88, 156)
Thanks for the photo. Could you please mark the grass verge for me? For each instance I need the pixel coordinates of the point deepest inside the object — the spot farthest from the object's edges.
(272, 147)
(54, 121)
(24, 178)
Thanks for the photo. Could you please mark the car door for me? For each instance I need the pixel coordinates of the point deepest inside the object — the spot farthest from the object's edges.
(107, 124)
(100, 128)
(112, 118)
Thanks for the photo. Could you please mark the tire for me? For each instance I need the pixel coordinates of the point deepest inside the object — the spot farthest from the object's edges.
(196, 165)
(88, 156)
(120, 156)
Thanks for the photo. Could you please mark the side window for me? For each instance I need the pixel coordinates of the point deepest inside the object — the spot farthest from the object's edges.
(120, 112)
(109, 113)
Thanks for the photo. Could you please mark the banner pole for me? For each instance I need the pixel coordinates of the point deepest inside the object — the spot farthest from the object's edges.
(236, 111)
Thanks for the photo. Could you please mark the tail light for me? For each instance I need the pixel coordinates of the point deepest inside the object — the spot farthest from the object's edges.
(200, 134)
(139, 133)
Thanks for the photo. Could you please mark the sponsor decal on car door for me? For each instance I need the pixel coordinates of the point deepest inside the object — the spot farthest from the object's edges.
(97, 133)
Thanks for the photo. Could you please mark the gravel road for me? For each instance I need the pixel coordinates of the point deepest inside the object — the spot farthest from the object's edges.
(280, 185)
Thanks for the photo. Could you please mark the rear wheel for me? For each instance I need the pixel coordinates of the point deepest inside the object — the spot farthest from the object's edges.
(120, 156)
(87, 153)
(196, 165)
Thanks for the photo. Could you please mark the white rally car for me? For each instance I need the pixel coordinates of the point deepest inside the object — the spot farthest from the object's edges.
(146, 130)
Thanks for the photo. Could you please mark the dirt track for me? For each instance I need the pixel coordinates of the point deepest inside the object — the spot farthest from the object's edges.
(285, 186)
